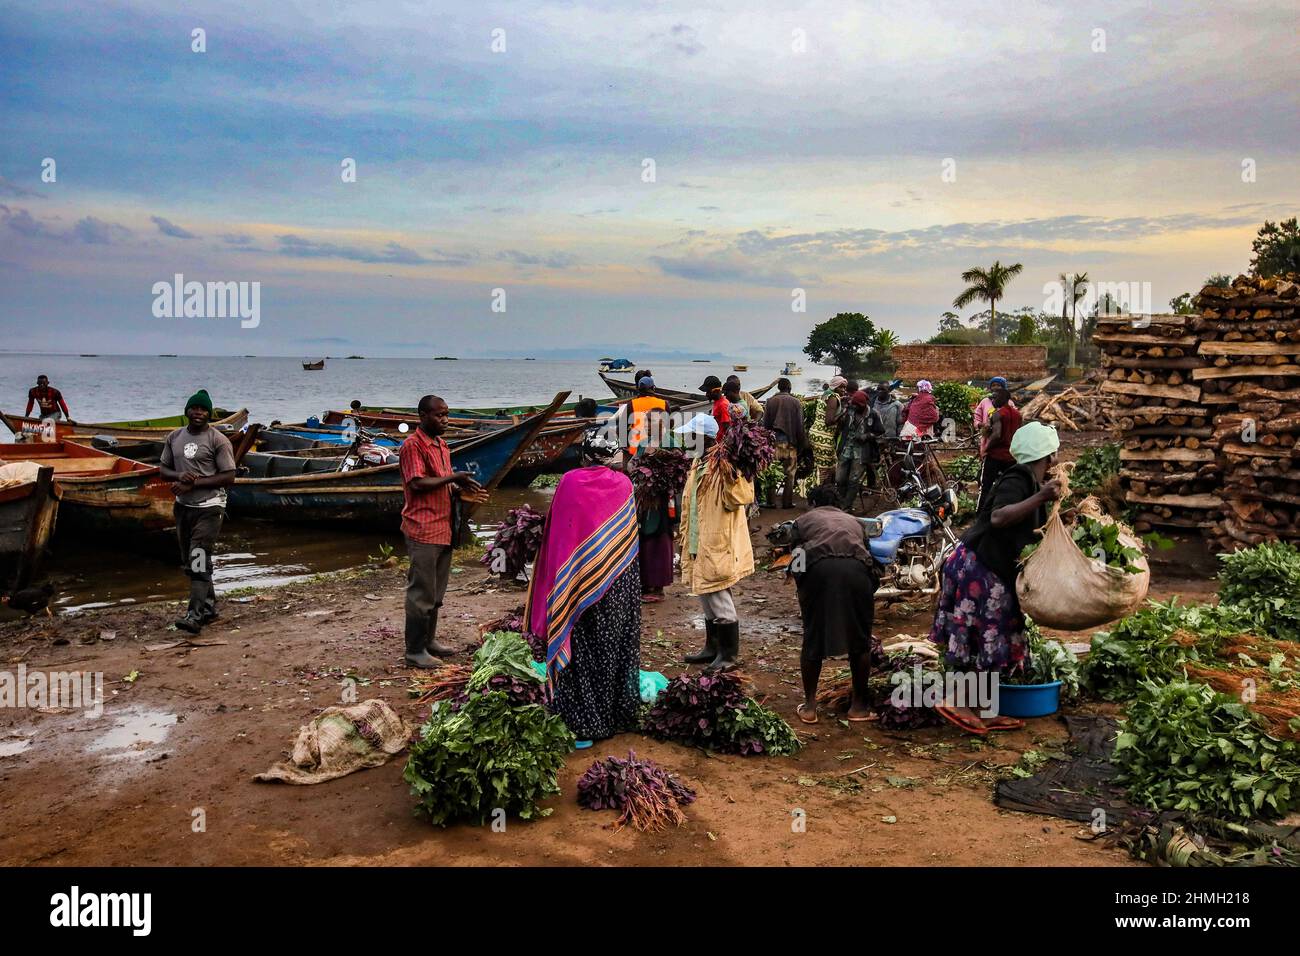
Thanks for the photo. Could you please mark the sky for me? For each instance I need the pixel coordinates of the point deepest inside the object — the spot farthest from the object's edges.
(551, 175)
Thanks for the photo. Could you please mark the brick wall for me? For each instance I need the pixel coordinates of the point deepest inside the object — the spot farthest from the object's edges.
(960, 363)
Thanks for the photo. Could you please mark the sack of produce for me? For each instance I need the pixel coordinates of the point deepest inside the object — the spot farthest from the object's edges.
(1084, 574)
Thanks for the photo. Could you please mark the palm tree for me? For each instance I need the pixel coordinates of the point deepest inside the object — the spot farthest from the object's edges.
(987, 285)
(1075, 288)
(885, 341)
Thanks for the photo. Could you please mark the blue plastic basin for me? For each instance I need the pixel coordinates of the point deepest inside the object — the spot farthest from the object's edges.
(1029, 700)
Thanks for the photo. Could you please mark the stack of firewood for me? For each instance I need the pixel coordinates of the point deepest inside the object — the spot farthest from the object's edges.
(1168, 466)
(1250, 342)
(1080, 407)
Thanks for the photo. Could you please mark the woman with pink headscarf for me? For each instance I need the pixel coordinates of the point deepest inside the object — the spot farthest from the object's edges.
(922, 413)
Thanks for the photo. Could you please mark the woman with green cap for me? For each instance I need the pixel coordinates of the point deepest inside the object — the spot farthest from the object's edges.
(979, 620)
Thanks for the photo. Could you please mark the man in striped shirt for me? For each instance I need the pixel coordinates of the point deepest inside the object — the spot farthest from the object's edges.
(427, 481)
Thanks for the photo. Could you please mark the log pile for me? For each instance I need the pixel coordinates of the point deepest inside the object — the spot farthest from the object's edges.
(1081, 407)
(1168, 464)
(1250, 342)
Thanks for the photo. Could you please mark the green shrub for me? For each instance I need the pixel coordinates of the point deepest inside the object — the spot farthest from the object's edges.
(957, 400)
(1263, 582)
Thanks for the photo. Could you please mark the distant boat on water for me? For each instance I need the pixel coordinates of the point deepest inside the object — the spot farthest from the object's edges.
(791, 369)
(615, 365)
(740, 368)
(89, 355)
(445, 358)
(313, 366)
(701, 360)
(166, 354)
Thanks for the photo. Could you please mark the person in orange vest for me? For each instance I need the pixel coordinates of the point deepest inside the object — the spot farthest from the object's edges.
(645, 419)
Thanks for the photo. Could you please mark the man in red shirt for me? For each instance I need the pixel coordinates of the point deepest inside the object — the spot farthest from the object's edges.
(1003, 421)
(50, 400)
(427, 481)
(721, 408)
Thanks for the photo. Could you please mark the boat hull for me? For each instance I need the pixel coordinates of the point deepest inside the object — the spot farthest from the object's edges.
(625, 388)
(26, 428)
(27, 518)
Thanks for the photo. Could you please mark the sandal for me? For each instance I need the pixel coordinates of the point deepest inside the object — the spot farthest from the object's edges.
(858, 720)
(800, 708)
(1004, 723)
(651, 598)
(959, 720)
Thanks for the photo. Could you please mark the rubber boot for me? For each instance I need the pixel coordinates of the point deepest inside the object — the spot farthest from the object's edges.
(710, 650)
(201, 604)
(728, 646)
(416, 655)
(787, 496)
(433, 645)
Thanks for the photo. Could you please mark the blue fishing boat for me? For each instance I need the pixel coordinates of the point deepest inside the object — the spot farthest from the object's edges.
(305, 487)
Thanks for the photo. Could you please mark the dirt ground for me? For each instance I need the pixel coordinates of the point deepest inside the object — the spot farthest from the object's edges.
(179, 744)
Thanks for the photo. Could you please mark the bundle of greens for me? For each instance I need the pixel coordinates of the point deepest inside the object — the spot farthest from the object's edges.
(502, 653)
(711, 711)
(957, 400)
(515, 543)
(1047, 661)
(896, 701)
(1263, 582)
(1100, 540)
(963, 468)
(489, 754)
(659, 474)
(1184, 746)
(1093, 468)
(748, 447)
(1141, 647)
(646, 795)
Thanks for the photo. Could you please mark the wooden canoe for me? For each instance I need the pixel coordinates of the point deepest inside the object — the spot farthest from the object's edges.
(28, 511)
(305, 487)
(141, 428)
(100, 493)
(313, 366)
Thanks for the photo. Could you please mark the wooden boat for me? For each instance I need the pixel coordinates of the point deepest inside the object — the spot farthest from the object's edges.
(370, 496)
(137, 428)
(100, 493)
(624, 388)
(28, 509)
(313, 366)
(740, 368)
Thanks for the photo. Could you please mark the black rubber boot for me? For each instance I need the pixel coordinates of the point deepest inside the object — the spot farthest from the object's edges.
(710, 650)
(416, 655)
(728, 646)
(433, 645)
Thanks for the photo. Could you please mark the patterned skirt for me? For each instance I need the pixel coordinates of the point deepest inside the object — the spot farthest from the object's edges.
(979, 619)
(822, 440)
(599, 693)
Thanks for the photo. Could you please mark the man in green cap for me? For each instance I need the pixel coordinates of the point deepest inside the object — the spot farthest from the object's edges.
(200, 463)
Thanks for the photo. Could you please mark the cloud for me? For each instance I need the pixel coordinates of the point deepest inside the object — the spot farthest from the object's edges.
(22, 222)
(554, 260)
(711, 268)
(171, 229)
(14, 191)
(237, 239)
(391, 254)
(686, 39)
(95, 232)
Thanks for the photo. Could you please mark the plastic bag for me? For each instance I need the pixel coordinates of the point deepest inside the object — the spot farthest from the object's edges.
(652, 685)
(1062, 587)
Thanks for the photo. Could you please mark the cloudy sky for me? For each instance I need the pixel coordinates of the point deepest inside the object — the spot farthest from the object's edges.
(798, 145)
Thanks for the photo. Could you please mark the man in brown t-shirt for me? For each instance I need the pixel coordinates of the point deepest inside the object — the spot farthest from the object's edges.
(200, 463)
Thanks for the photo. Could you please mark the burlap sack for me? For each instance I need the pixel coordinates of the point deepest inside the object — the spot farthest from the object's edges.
(1060, 586)
(339, 741)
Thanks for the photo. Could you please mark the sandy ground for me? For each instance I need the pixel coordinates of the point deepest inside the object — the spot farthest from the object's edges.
(178, 745)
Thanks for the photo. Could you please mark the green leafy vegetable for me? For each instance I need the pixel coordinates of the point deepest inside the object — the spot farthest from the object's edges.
(503, 653)
(1184, 746)
(963, 468)
(1099, 540)
(957, 400)
(1263, 582)
(487, 755)
(1048, 661)
(1092, 468)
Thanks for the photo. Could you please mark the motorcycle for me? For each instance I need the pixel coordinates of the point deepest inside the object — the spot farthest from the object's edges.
(908, 546)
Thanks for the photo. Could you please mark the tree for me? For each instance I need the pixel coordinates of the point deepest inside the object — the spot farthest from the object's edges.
(949, 322)
(1074, 288)
(1219, 279)
(840, 339)
(878, 359)
(987, 285)
(1025, 331)
(1182, 305)
(1107, 305)
(1276, 249)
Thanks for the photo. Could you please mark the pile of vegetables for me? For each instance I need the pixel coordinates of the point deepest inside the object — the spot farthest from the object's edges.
(1099, 539)
(711, 711)
(901, 714)
(1093, 468)
(1263, 582)
(518, 538)
(1184, 746)
(747, 447)
(489, 742)
(1047, 661)
(646, 795)
(659, 473)
(489, 754)
(957, 400)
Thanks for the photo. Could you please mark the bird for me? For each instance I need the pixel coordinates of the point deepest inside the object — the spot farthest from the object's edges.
(31, 599)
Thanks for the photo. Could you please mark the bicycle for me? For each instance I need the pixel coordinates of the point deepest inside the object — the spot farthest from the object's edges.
(904, 466)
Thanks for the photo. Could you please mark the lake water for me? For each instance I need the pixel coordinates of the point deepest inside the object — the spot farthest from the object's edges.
(120, 387)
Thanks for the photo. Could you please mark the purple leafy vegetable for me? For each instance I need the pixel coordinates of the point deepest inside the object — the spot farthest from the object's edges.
(516, 542)
(647, 796)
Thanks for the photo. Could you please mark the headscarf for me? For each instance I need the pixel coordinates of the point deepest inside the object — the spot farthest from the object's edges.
(589, 539)
(839, 381)
(924, 386)
(1032, 441)
(858, 399)
(199, 398)
(997, 380)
